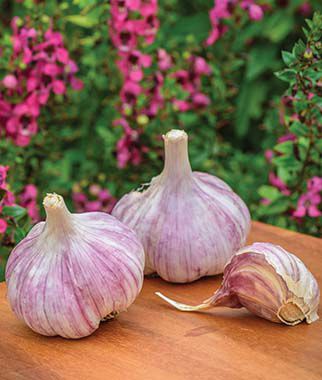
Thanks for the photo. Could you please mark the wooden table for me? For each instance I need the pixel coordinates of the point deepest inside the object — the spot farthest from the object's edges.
(154, 341)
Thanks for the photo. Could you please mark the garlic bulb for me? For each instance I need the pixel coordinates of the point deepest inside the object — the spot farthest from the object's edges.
(268, 281)
(73, 270)
(190, 223)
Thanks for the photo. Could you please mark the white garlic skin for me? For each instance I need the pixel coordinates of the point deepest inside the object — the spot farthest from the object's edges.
(190, 223)
(73, 270)
(268, 281)
(292, 293)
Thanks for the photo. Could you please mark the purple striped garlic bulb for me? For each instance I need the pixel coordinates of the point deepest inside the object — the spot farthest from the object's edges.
(190, 223)
(73, 270)
(268, 281)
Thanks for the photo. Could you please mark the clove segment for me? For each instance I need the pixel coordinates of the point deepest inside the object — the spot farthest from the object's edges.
(190, 223)
(268, 281)
(73, 270)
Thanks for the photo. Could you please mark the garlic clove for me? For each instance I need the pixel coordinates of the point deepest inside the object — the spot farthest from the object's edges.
(73, 270)
(268, 281)
(189, 223)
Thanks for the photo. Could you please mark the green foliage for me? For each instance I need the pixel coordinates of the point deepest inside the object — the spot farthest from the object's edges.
(298, 160)
(76, 142)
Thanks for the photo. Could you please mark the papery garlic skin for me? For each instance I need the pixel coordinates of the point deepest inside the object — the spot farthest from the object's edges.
(73, 270)
(268, 281)
(190, 223)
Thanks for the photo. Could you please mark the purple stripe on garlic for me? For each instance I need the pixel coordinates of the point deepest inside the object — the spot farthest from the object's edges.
(190, 223)
(268, 281)
(73, 270)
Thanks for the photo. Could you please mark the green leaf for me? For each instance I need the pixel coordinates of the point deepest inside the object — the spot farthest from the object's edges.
(249, 105)
(277, 207)
(278, 25)
(19, 234)
(260, 60)
(83, 21)
(15, 212)
(298, 128)
(269, 192)
(196, 26)
(286, 162)
(284, 147)
(288, 57)
(287, 75)
(284, 174)
(188, 118)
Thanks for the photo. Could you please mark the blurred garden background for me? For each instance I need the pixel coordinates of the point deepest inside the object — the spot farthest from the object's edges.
(88, 87)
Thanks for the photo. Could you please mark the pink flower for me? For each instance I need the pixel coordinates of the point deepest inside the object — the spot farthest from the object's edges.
(48, 70)
(104, 195)
(28, 199)
(148, 27)
(124, 35)
(10, 81)
(130, 92)
(51, 69)
(146, 7)
(200, 100)
(164, 60)
(127, 151)
(119, 9)
(224, 9)
(287, 137)
(30, 192)
(309, 202)
(22, 123)
(93, 206)
(183, 78)
(103, 201)
(59, 87)
(315, 184)
(278, 183)
(305, 9)
(200, 66)
(6, 198)
(3, 226)
(126, 30)
(94, 189)
(255, 12)
(62, 56)
(269, 154)
(131, 65)
(79, 198)
(181, 105)
(220, 11)
(3, 176)
(155, 96)
(77, 84)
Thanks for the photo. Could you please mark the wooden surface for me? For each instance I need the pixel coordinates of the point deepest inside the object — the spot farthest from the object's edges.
(154, 341)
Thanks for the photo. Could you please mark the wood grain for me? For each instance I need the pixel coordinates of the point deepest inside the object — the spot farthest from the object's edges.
(153, 341)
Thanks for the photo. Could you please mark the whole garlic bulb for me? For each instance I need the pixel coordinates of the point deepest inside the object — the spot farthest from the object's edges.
(268, 281)
(73, 270)
(190, 223)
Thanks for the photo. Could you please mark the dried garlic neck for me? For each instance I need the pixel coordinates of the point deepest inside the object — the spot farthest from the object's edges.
(176, 155)
(58, 218)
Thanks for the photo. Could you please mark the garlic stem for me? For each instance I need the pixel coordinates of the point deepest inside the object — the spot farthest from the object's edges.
(176, 155)
(183, 307)
(58, 218)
